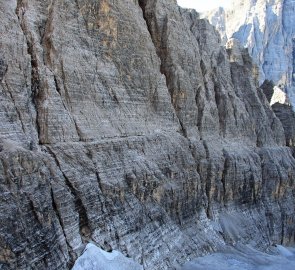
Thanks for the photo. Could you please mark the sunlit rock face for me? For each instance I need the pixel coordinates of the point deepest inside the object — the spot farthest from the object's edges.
(267, 28)
(126, 124)
(282, 108)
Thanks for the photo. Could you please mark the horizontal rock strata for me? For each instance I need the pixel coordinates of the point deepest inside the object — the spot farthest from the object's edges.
(126, 124)
(266, 28)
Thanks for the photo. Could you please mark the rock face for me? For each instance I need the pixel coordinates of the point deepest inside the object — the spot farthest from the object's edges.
(286, 115)
(282, 109)
(267, 28)
(126, 124)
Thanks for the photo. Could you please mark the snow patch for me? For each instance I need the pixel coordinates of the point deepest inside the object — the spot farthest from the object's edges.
(279, 96)
(94, 258)
(242, 257)
(284, 251)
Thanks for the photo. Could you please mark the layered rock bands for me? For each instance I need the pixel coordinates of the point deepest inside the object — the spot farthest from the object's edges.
(125, 123)
(267, 29)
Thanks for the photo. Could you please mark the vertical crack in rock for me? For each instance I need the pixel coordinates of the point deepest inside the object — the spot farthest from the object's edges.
(63, 78)
(49, 51)
(83, 219)
(98, 180)
(89, 154)
(220, 106)
(58, 88)
(208, 179)
(35, 77)
(223, 177)
(54, 206)
(161, 50)
(200, 110)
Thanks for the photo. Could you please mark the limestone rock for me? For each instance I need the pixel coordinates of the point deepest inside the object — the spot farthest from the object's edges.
(266, 28)
(286, 115)
(126, 124)
(282, 108)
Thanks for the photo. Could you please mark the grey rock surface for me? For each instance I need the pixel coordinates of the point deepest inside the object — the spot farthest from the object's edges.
(267, 29)
(282, 109)
(286, 115)
(126, 124)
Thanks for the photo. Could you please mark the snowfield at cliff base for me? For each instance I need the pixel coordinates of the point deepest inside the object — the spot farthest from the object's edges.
(233, 258)
(246, 258)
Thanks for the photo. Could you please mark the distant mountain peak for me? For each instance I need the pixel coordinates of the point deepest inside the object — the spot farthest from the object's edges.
(267, 29)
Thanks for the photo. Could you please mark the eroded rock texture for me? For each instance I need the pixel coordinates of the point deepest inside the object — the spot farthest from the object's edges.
(266, 28)
(126, 124)
(282, 109)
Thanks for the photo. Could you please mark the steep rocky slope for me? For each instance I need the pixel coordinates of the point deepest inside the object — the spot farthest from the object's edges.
(126, 124)
(282, 108)
(267, 28)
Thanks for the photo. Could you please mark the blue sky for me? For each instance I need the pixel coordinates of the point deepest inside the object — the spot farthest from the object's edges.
(202, 5)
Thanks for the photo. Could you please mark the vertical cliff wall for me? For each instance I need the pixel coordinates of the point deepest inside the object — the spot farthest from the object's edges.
(266, 28)
(126, 124)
